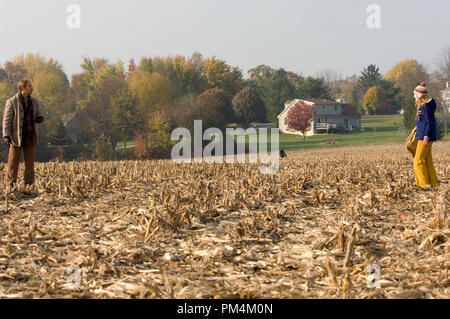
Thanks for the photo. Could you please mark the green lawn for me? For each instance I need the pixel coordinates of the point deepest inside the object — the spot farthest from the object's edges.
(129, 143)
(377, 129)
(386, 129)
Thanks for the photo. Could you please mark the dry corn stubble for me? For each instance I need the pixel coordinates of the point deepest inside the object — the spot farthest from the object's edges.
(157, 229)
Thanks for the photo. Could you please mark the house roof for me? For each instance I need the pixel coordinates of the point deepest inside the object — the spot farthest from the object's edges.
(349, 110)
(323, 101)
(289, 103)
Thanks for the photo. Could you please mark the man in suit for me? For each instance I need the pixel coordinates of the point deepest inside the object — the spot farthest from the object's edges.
(20, 131)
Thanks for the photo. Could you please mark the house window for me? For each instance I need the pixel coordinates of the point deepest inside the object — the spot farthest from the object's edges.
(335, 107)
(323, 107)
(346, 122)
(285, 121)
(325, 120)
(318, 120)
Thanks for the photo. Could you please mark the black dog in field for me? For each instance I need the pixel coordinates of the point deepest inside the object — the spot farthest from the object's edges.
(282, 153)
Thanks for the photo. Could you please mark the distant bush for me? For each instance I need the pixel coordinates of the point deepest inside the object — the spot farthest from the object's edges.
(155, 143)
(102, 148)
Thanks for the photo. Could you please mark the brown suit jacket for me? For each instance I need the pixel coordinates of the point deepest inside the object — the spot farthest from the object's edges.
(13, 119)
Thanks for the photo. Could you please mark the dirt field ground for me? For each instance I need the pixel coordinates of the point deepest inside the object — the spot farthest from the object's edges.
(157, 229)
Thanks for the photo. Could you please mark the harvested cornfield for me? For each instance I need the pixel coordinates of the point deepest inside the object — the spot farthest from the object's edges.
(157, 229)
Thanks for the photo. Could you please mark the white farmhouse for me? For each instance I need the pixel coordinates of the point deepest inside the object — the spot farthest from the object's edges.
(330, 115)
(446, 96)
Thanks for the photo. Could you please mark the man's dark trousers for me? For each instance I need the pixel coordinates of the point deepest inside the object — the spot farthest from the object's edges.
(28, 144)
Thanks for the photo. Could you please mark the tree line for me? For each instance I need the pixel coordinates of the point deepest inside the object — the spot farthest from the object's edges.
(109, 102)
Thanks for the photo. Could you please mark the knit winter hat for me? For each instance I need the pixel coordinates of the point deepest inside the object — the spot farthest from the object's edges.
(421, 89)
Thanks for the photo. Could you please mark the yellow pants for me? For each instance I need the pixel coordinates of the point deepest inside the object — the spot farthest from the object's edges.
(423, 166)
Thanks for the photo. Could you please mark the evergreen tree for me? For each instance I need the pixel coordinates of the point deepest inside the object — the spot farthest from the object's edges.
(313, 89)
(278, 90)
(409, 115)
(369, 77)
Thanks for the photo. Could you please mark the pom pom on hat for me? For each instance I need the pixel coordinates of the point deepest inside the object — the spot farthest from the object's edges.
(422, 88)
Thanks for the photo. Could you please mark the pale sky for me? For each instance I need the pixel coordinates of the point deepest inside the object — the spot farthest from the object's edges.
(301, 36)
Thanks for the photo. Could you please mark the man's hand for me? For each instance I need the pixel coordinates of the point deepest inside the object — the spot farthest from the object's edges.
(7, 140)
(39, 119)
(425, 141)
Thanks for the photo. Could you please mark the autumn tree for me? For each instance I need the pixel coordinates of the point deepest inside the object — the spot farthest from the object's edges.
(173, 68)
(378, 99)
(372, 100)
(222, 76)
(93, 89)
(196, 82)
(294, 78)
(52, 92)
(406, 75)
(185, 74)
(3, 75)
(248, 107)
(15, 72)
(6, 91)
(125, 117)
(153, 91)
(155, 142)
(94, 71)
(96, 115)
(51, 85)
(261, 74)
(300, 117)
(131, 66)
(188, 74)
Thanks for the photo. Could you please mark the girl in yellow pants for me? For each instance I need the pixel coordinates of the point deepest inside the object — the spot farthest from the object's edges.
(423, 166)
(426, 134)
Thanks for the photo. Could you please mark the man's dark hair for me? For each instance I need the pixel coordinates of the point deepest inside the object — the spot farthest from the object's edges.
(22, 84)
